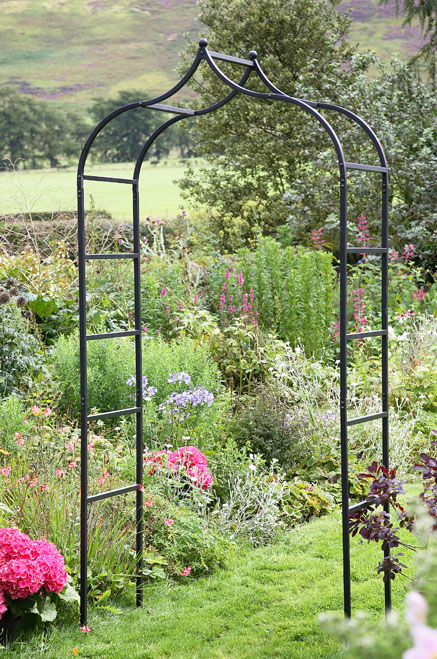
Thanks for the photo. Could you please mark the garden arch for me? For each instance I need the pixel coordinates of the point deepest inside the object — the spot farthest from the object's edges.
(251, 66)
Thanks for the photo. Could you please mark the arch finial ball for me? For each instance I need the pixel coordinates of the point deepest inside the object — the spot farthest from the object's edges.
(203, 43)
(253, 54)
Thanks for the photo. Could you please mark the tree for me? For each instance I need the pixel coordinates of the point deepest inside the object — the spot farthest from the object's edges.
(37, 132)
(274, 166)
(258, 147)
(122, 139)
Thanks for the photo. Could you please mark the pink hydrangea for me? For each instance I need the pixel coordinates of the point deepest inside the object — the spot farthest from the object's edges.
(14, 544)
(51, 563)
(21, 578)
(190, 456)
(3, 605)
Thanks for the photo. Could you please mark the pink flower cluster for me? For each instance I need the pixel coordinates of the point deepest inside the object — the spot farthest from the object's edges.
(187, 460)
(363, 230)
(26, 566)
(360, 319)
(316, 238)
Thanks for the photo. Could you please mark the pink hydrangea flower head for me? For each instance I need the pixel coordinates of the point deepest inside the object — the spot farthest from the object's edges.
(14, 544)
(190, 456)
(21, 578)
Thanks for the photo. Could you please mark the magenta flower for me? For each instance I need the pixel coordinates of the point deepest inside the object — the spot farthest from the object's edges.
(186, 571)
(163, 292)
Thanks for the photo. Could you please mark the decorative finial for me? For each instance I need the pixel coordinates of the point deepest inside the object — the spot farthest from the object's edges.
(203, 43)
(253, 54)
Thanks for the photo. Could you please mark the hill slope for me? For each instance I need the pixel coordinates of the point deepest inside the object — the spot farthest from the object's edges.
(76, 50)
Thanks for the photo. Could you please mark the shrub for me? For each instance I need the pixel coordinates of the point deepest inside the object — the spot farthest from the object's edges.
(263, 421)
(21, 356)
(184, 538)
(109, 364)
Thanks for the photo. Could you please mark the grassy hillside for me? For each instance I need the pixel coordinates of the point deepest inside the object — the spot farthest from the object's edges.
(76, 50)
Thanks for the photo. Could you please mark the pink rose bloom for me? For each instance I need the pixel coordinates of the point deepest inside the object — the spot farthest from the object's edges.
(21, 578)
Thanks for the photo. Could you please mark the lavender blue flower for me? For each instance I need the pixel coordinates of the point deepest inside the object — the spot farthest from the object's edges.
(147, 392)
(177, 406)
(183, 376)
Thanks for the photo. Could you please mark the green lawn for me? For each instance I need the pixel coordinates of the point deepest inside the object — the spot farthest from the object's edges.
(265, 603)
(48, 190)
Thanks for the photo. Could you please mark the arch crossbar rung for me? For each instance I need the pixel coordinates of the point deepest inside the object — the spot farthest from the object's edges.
(362, 505)
(366, 168)
(230, 58)
(107, 415)
(365, 419)
(365, 335)
(112, 335)
(117, 255)
(367, 250)
(170, 108)
(113, 493)
(110, 179)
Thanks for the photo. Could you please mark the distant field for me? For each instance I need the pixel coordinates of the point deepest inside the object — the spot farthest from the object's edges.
(47, 190)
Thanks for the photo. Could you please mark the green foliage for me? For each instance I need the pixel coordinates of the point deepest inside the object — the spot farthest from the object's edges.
(263, 422)
(288, 291)
(187, 542)
(110, 363)
(304, 500)
(21, 355)
(12, 415)
(299, 43)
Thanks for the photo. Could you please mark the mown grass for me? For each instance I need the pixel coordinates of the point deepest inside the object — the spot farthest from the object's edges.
(53, 190)
(265, 603)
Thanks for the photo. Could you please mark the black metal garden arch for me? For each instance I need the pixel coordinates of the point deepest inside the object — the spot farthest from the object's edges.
(250, 65)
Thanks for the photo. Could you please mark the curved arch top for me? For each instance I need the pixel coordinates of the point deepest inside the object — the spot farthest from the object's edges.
(274, 94)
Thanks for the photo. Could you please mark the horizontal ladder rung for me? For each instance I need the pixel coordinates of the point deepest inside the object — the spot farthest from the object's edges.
(364, 419)
(364, 335)
(106, 415)
(366, 250)
(109, 179)
(367, 168)
(116, 255)
(229, 58)
(362, 505)
(112, 335)
(169, 108)
(112, 493)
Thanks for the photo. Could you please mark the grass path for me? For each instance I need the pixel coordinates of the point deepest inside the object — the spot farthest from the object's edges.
(264, 604)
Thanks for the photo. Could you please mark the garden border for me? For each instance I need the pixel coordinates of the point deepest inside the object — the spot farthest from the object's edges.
(274, 94)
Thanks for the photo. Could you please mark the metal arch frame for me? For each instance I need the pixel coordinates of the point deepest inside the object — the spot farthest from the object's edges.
(274, 94)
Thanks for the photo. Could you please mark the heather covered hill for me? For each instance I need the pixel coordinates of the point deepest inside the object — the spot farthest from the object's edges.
(76, 50)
